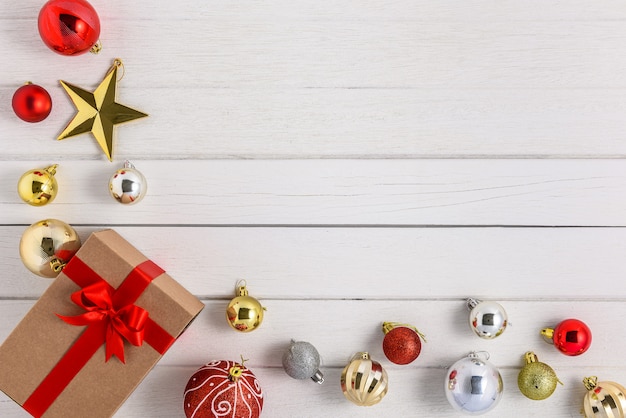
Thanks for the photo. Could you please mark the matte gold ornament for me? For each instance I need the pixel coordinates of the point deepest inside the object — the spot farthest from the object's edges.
(536, 380)
(364, 381)
(244, 313)
(38, 187)
(604, 399)
(98, 112)
(47, 246)
(127, 185)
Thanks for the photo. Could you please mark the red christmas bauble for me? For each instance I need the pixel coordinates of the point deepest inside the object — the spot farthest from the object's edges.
(401, 344)
(31, 103)
(69, 27)
(572, 337)
(223, 389)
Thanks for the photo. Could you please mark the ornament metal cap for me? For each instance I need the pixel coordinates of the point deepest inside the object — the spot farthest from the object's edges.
(389, 326)
(590, 382)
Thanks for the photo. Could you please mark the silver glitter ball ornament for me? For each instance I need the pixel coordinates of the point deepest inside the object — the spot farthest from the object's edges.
(487, 319)
(127, 185)
(302, 361)
(473, 385)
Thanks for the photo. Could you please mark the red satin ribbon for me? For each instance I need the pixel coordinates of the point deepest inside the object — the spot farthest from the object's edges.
(110, 317)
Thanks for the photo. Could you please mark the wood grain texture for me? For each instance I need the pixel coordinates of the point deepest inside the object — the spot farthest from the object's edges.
(335, 192)
(356, 162)
(371, 263)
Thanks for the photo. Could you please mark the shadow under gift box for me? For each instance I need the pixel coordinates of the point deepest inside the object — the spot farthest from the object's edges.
(46, 353)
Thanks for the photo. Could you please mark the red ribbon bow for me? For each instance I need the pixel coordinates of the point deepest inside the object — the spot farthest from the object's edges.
(117, 322)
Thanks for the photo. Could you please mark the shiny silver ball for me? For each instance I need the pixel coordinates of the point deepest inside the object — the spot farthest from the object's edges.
(487, 319)
(302, 361)
(473, 385)
(127, 185)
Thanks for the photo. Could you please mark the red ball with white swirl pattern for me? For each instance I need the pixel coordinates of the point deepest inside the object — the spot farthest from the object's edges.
(223, 389)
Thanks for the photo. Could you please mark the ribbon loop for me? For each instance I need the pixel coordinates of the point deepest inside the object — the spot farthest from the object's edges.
(127, 322)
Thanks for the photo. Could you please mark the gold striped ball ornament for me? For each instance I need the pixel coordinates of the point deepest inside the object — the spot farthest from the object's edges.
(604, 399)
(364, 381)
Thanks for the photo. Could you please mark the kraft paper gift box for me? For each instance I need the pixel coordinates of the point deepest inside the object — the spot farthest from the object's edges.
(111, 302)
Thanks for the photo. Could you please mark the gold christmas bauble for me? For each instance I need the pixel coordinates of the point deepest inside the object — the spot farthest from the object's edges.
(604, 399)
(536, 380)
(244, 313)
(364, 381)
(46, 247)
(38, 187)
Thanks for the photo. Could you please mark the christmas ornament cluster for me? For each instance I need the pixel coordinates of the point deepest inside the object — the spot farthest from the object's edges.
(223, 388)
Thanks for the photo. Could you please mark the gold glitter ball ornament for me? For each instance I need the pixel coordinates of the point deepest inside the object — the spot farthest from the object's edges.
(604, 399)
(47, 246)
(364, 382)
(536, 380)
(38, 187)
(244, 313)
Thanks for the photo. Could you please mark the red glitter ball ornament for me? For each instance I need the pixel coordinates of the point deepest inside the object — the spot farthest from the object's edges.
(572, 337)
(69, 27)
(31, 103)
(223, 389)
(402, 343)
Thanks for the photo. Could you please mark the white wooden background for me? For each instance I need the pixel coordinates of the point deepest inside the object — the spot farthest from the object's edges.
(356, 162)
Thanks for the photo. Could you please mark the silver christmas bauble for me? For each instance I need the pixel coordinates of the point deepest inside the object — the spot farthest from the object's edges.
(473, 385)
(127, 185)
(487, 319)
(302, 361)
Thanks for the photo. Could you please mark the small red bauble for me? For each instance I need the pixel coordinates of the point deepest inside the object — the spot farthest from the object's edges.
(571, 336)
(69, 27)
(402, 342)
(224, 389)
(31, 103)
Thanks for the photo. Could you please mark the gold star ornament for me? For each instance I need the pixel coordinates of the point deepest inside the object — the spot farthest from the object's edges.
(98, 112)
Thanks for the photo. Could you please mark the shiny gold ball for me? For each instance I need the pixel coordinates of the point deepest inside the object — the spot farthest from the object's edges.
(536, 380)
(46, 246)
(604, 399)
(244, 313)
(38, 187)
(364, 382)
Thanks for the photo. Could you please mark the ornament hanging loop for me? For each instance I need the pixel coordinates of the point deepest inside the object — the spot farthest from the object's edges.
(483, 355)
(242, 288)
(57, 265)
(117, 63)
(96, 48)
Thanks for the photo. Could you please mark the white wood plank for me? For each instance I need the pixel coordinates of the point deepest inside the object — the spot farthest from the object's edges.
(161, 395)
(418, 10)
(330, 123)
(380, 263)
(333, 192)
(247, 49)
